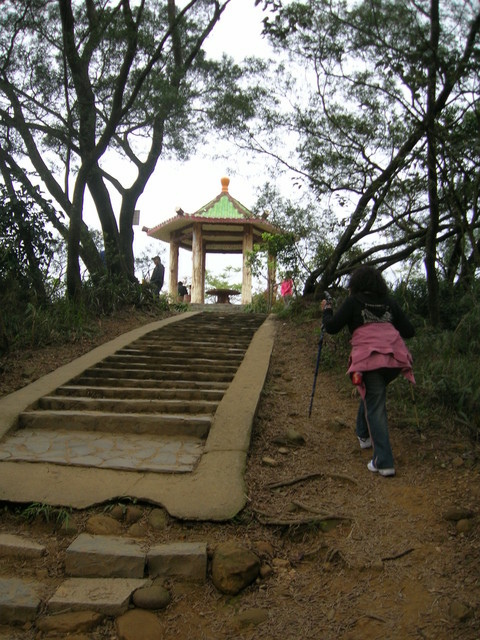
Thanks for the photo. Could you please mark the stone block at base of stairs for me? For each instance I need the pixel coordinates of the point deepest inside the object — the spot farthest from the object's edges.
(104, 557)
(19, 601)
(110, 596)
(20, 547)
(185, 560)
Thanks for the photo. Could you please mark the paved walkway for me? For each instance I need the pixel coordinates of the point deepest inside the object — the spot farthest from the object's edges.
(104, 451)
(162, 413)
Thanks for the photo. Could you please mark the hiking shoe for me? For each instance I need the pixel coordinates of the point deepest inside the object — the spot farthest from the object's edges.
(365, 443)
(383, 472)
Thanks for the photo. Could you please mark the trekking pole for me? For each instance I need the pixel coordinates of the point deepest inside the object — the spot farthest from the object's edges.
(317, 366)
(419, 431)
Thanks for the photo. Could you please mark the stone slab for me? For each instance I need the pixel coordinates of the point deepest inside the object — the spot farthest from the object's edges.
(67, 625)
(104, 557)
(19, 601)
(185, 560)
(19, 546)
(103, 450)
(110, 596)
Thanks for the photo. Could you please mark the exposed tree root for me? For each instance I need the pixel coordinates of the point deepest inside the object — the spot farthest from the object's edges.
(273, 520)
(311, 476)
(398, 555)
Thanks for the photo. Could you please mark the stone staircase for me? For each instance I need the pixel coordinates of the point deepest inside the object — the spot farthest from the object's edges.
(148, 406)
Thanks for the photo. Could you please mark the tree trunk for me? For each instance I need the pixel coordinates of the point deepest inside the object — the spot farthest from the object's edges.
(74, 281)
(433, 225)
(115, 261)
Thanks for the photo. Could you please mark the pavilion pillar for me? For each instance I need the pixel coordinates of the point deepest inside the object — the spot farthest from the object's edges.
(246, 270)
(272, 277)
(204, 269)
(173, 282)
(198, 264)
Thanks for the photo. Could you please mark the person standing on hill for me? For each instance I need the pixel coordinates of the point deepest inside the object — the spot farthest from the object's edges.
(158, 275)
(286, 289)
(182, 291)
(379, 354)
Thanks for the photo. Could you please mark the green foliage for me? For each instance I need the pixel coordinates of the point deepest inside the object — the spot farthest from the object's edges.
(26, 244)
(356, 117)
(32, 325)
(41, 511)
(304, 240)
(136, 83)
(335, 351)
(466, 337)
(445, 361)
(446, 370)
(223, 281)
(296, 309)
(455, 302)
(259, 304)
(62, 320)
(178, 307)
(108, 295)
(123, 504)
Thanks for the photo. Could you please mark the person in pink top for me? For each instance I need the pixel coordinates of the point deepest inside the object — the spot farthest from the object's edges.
(379, 354)
(286, 289)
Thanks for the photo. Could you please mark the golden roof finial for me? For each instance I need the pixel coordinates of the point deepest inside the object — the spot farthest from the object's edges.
(225, 182)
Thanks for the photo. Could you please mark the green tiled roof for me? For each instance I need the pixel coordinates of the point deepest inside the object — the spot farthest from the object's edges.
(225, 219)
(224, 207)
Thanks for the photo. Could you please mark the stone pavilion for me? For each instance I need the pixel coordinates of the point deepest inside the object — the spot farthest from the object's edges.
(224, 225)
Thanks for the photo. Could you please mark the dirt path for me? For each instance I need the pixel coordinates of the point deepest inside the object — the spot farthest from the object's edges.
(398, 569)
(393, 567)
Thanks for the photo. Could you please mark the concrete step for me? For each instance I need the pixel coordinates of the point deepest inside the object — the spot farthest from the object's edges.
(177, 374)
(196, 348)
(100, 381)
(174, 365)
(155, 360)
(20, 547)
(154, 393)
(217, 307)
(216, 344)
(96, 556)
(124, 405)
(158, 424)
(110, 597)
(20, 601)
(220, 333)
(147, 407)
(212, 345)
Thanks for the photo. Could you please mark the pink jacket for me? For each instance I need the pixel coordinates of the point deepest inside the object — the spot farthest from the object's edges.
(378, 345)
(286, 288)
